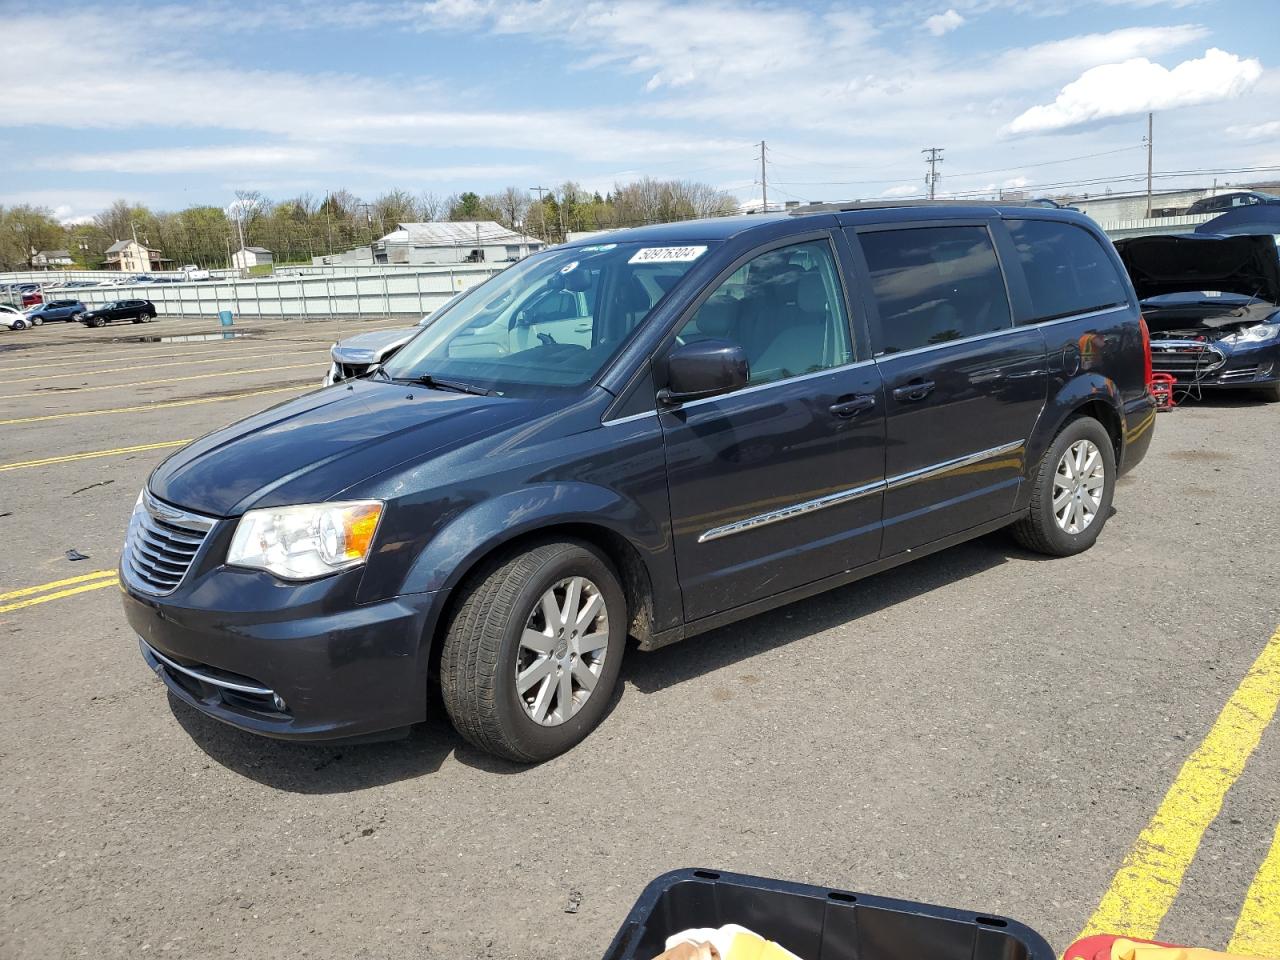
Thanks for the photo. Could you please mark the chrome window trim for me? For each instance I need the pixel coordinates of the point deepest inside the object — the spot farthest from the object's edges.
(775, 383)
(948, 343)
(855, 493)
(1088, 315)
(629, 418)
(946, 466)
(795, 510)
(204, 677)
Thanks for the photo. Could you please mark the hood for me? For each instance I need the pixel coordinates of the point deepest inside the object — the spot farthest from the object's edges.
(1257, 218)
(1178, 264)
(370, 347)
(310, 449)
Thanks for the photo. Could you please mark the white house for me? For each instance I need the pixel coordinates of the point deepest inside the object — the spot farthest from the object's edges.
(252, 257)
(130, 256)
(51, 259)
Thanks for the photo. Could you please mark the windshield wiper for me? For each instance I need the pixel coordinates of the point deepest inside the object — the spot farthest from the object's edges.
(457, 386)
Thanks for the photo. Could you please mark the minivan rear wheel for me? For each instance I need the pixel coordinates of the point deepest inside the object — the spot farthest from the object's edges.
(532, 653)
(1072, 491)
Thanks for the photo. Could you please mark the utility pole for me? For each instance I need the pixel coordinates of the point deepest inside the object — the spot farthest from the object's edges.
(1149, 125)
(933, 157)
(764, 181)
(542, 211)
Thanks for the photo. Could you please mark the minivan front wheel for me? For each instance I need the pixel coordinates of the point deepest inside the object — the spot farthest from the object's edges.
(533, 651)
(1072, 491)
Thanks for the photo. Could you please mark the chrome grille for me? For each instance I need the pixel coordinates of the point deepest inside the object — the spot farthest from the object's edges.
(161, 543)
(1185, 357)
(1240, 373)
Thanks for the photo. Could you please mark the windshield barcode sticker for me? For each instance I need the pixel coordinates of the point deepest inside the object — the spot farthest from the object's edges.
(667, 254)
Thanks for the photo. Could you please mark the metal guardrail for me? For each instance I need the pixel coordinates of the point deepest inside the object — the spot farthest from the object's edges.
(1149, 226)
(379, 292)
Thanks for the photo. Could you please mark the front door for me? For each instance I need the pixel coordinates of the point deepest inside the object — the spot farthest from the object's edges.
(963, 386)
(780, 483)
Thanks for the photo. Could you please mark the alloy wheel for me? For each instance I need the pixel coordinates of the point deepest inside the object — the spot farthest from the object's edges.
(1078, 485)
(562, 650)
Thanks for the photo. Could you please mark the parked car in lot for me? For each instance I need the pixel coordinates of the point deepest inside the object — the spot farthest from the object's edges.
(13, 318)
(360, 355)
(193, 272)
(1213, 307)
(1229, 201)
(57, 310)
(718, 417)
(139, 311)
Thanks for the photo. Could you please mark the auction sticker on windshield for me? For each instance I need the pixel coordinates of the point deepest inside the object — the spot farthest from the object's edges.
(667, 254)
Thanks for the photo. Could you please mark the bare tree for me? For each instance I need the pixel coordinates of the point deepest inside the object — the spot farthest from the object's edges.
(512, 204)
(432, 206)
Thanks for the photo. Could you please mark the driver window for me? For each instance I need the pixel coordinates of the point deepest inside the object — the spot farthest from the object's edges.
(786, 310)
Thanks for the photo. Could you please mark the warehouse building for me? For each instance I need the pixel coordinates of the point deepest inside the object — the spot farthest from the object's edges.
(461, 241)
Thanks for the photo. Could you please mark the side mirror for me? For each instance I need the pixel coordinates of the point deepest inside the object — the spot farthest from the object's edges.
(706, 368)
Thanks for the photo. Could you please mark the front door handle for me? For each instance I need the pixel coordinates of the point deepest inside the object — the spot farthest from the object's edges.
(854, 405)
(915, 390)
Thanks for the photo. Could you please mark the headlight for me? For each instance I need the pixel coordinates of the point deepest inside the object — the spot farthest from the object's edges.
(1259, 333)
(306, 542)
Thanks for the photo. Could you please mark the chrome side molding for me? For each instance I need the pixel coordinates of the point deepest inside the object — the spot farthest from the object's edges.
(855, 493)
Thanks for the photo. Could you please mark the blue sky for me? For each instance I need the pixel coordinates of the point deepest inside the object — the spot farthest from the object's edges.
(174, 105)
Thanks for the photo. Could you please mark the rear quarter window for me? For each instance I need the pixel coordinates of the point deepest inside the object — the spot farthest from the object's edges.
(1066, 268)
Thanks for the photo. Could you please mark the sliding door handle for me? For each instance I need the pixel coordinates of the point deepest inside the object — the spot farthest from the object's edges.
(915, 390)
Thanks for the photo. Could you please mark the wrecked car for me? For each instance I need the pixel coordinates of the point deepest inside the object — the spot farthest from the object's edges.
(364, 353)
(1212, 304)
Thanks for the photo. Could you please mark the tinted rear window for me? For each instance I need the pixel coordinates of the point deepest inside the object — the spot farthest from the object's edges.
(1067, 269)
(933, 285)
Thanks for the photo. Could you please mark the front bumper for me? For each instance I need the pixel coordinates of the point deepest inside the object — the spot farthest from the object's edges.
(294, 661)
(1222, 368)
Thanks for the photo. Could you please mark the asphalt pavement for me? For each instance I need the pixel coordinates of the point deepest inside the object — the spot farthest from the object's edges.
(1068, 742)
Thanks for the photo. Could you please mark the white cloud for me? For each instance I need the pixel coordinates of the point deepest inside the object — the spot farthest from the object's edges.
(1073, 54)
(1255, 131)
(1017, 183)
(188, 159)
(903, 190)
(941, 23)
(1137, 86)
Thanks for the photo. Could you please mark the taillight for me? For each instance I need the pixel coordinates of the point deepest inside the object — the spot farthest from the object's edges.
(1146, 348)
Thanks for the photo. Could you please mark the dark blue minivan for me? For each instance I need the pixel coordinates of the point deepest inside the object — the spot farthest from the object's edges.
(645, 435)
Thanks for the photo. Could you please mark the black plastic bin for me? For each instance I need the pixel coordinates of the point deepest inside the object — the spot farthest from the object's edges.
(816, 923)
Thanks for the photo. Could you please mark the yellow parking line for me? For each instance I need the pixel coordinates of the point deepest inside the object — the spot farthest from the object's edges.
(1257, 931)
(173, 363)
(28, 591)
(1147, 883)
(144, 408)
(92, 454)
(157, 354)
(96, 585)
(75, 391)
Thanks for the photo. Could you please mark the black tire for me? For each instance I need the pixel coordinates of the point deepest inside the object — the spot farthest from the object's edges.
(478, 660)
(1270, 393)
(19, 325)
(97, 322)
(139, 319)
(148, 317)
(1040, 530)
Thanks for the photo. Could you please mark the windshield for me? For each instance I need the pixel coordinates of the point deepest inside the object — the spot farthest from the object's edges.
(551, 321)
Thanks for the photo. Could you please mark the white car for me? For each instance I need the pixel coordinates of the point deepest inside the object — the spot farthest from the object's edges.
(193, 272)
(14, 319)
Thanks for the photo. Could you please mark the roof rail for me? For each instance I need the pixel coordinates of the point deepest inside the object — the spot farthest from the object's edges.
(841, 206)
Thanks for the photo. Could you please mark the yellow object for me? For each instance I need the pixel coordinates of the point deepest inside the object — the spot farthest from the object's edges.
(1129, 950)
(749, 946)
